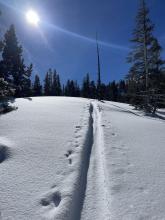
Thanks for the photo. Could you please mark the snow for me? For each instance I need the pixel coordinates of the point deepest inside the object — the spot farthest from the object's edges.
(38, 135)
(135, 155)
(97, 198)
(72, 158)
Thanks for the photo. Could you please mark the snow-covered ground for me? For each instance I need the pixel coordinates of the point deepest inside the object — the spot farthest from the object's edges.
(71, 158)
(135, 155)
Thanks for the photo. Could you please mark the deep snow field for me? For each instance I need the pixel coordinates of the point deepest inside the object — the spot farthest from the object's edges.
(72, 158)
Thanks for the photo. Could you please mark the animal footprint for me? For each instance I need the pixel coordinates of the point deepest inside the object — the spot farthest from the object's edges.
(4, 153)
(56, 198)
(78, 136)
(78, 127)
(53, 186)
(70, 161)
(68, 153)
(53, 199)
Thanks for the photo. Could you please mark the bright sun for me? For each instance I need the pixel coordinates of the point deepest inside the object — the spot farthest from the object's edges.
(32, 17)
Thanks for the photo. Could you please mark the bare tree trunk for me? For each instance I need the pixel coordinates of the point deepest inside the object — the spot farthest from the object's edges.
(99, 72)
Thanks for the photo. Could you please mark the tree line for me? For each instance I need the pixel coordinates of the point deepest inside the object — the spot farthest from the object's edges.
(52, 87)
(142, 86)
(15, 77)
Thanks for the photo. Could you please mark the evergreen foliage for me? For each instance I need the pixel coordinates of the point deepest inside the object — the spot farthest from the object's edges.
(37, 87)
(12, 67)
(146, 72)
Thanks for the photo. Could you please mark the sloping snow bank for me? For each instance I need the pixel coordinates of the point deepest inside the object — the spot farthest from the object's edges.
(40, 177)
(69, 195)
(135, 155)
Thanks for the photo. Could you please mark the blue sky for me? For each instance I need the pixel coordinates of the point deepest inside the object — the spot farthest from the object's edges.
(65, 38)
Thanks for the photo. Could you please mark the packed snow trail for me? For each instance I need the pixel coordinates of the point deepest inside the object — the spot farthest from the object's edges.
(96, 201)
(85, 194)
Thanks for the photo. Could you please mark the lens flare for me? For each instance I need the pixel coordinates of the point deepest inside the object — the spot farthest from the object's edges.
(32, 17)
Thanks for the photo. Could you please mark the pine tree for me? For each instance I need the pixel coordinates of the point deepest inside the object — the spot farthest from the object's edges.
(5, 89)
(66, 90)
(71, 89)
(50, 78)
(12, 65)
(63, 90)
(122, 90)
(59, 90)
(48, 83)
(77, 89)
(156, 67)
(26, 87)
(113, 91)
(147, 65)
(37, 87)
(86, 87)
(54, 84)
(141, 53)
(93, 90)
(47, 87)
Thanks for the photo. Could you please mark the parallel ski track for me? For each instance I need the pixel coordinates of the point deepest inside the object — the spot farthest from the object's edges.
(96, 201)
(88, 197)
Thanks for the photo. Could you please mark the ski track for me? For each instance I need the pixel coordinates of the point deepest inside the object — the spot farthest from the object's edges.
(83, 194)
(96, 202)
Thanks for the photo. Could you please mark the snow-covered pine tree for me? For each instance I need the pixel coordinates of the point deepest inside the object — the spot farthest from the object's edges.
(5, 90)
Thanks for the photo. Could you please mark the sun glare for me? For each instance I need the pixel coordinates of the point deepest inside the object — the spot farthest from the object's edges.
(32, 17)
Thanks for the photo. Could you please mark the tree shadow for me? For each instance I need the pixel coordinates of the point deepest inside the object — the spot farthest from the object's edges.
(157, 116)
(28, 98)
(6, 107)
(161, 112)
